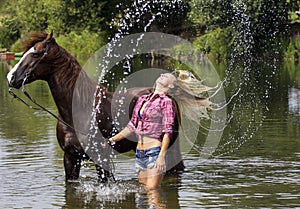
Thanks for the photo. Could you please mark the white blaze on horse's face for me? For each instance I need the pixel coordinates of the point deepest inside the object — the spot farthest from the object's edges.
(12, 71)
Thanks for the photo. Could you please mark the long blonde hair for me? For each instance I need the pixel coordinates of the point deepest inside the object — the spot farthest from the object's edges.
(192, 96)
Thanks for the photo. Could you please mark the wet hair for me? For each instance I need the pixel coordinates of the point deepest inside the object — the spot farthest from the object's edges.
(191, 95)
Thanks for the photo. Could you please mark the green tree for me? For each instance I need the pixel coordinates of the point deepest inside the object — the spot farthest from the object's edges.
(140, 16)
(32, 15)
(78, 15)
(62, 16)
(258, 24)
(96, 16)
(294, 6)
(9, 32)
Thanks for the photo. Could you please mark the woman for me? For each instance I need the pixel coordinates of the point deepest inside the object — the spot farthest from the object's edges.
(152, 120)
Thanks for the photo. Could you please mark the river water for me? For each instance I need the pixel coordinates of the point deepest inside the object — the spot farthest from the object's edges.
(261, 172)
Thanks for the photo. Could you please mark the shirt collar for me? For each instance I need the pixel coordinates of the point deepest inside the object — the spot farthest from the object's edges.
(161, 95)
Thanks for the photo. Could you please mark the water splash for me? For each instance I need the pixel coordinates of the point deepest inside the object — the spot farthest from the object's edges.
(135, 15)
(247, 70)
(90, 191)
(247, 107)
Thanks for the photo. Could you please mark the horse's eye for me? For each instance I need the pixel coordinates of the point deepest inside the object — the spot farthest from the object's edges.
(35, 55)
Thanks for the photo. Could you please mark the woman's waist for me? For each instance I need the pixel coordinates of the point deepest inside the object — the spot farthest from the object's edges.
(146, 142)
(149, 133)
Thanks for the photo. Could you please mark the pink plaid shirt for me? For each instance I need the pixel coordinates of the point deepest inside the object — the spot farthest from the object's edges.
(157, 119)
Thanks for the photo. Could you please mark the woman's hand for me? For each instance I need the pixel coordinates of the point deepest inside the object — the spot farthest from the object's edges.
(121, 135)
(112, 140)
(160, 164)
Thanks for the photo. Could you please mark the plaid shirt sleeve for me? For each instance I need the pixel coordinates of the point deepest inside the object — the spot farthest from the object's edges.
(169, 117)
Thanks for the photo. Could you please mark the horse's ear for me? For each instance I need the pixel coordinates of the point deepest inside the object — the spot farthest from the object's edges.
(49, 37)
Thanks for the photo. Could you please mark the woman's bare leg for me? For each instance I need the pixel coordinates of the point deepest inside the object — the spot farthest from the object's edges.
(142, 175)
(153, 178)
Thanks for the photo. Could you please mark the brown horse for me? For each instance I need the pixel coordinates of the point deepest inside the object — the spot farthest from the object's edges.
(45, 60)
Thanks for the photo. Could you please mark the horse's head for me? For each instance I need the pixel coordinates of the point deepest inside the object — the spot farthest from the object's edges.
(32, 65)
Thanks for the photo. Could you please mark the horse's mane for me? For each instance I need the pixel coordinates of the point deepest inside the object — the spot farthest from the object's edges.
(31, 38)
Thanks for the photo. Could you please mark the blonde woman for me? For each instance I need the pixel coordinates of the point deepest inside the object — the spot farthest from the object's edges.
(153, 120)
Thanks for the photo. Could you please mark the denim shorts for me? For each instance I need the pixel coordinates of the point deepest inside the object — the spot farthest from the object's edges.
(146, 158)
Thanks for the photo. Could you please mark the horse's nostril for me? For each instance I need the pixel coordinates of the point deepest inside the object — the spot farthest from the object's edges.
(12, 78)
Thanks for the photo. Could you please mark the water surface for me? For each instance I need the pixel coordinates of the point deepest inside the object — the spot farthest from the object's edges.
(263, 171)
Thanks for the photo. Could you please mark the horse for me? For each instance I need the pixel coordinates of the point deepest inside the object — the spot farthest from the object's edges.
(44, 59)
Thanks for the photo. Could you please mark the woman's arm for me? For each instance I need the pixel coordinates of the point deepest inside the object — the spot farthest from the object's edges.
(160, 162)
(168, 123)
(164, 145)
(130, 128)
(121, 135)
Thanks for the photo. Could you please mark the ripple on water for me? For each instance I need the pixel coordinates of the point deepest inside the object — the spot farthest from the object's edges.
(232, 180)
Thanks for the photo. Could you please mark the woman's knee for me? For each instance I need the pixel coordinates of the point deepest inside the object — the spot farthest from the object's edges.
(152, 184)
(154, 181)
(143, 180)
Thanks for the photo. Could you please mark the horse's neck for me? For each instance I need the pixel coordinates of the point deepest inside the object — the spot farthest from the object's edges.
(65, 84)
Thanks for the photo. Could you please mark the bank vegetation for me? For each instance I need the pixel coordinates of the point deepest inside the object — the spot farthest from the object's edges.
(220, 28)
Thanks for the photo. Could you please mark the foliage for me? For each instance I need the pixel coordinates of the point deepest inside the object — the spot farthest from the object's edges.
(2, 6)
(164, 15)
(80, 15)
(212, 13)
(17, 46)
(215, 43)
(229, 23)
(293, 49)
(293, 71)
(24, 16)
(9, 32)
(31, 15)
(81, 45)
(259, 24)
(294, 15)
(70, 17)
(60, 15)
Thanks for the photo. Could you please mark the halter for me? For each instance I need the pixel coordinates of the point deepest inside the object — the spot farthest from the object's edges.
(40, 107)
(35, 65)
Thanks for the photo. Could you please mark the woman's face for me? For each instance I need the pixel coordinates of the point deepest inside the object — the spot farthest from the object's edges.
(166, 80)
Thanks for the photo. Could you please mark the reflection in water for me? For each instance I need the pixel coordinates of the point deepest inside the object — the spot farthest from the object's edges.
(294, 101)
(87, 193)
(150, 199)
(237, 182)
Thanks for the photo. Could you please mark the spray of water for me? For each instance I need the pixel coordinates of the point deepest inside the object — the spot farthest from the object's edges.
(245, 102)
(110, 56)
(134, 16)
(247, 70)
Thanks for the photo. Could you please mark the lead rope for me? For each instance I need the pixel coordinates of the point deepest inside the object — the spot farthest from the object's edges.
(41, 108)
